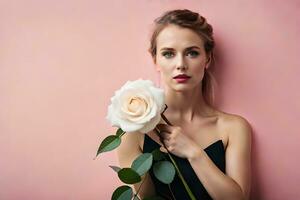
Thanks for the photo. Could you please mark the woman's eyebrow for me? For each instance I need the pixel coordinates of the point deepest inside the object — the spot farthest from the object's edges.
(188, 48)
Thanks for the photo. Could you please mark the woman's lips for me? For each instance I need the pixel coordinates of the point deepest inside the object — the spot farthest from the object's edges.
(182, 80)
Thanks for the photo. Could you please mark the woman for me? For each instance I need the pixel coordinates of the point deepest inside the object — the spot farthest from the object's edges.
(211, 147)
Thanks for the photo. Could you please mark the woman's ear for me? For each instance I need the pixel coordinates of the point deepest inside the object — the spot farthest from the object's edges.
(208, 60)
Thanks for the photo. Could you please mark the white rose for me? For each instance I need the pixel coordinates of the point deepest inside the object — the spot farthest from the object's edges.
(136, 106)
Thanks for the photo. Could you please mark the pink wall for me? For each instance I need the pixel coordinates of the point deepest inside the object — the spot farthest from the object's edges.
(60, 62)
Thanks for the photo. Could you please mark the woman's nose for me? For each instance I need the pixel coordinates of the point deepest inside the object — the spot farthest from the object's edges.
(180, 62)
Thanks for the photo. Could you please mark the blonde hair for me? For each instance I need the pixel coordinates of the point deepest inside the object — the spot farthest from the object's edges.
(192, 20)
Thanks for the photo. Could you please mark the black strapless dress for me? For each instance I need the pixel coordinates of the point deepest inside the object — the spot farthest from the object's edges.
(215, 151)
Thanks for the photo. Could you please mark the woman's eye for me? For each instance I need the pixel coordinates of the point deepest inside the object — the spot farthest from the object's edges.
(167, 54)
(193, 53)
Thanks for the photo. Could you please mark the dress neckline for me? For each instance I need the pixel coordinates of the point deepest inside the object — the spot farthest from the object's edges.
(206, 148)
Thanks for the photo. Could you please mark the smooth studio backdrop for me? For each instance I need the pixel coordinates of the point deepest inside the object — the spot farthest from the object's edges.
(61, 61)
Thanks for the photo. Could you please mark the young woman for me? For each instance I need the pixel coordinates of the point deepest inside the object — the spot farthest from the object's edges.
(211, 147)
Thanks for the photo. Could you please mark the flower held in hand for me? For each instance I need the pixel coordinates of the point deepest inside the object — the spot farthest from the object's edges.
(136, 106)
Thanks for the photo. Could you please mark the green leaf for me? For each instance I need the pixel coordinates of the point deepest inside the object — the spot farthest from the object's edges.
(122, 193)
(119, 132)
(109, 143)
(158, 155)
(153, 198)
(164, 171)
(115, 168)
(129, 176)
(142, 163)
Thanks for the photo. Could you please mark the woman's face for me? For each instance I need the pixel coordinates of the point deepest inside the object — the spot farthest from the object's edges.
(180, 51)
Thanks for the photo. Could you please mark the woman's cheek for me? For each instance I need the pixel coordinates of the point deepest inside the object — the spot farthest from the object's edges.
(166, 73)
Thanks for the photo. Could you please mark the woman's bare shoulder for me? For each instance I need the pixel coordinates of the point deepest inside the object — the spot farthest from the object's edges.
(234, 124)
(230, 118)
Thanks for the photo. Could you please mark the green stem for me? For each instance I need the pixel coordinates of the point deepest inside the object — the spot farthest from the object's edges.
(178, 171)
(122, 134)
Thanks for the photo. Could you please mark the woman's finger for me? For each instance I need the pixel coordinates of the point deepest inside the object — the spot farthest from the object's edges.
(167, 142)
(163, 149)
(164, 128)
(165, 135)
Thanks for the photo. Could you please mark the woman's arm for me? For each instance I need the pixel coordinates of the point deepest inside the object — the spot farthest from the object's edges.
(127, 152)
(235, 184)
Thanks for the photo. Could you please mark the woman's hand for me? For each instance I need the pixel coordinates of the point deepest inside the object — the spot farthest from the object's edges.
(176, 142)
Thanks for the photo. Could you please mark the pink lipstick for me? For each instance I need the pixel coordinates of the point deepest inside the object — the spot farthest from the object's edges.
(181, 78)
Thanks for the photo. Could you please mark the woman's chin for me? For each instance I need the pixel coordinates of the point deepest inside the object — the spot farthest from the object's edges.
(182, 87)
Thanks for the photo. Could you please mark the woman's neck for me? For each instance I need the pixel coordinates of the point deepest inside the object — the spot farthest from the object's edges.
(186, 105)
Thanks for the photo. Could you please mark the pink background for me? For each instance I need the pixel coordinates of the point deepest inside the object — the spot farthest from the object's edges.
(61, 61)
